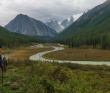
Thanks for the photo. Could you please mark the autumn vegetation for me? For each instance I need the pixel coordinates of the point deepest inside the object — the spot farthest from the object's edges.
(23, 53)
(80, 54)
(44, 77)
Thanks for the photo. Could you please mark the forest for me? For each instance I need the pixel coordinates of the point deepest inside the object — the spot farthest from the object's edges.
(11, 39)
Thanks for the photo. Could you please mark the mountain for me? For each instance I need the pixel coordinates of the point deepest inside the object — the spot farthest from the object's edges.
(29, 26)
(11, 39)
(92, 28)
(67, 22)
(55, 25)
(71, 20)
(59, 27)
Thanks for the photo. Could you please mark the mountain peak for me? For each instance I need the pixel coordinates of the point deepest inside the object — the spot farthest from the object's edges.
(67, 22)
(26, 25)
(21, 15)
(56, 25)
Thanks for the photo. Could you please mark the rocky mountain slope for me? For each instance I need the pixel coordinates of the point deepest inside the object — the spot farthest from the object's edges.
(60, 26)
(67, 22)
(29, 26)
(55, 25)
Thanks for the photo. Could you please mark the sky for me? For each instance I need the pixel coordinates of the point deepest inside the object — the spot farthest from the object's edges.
(44, 10)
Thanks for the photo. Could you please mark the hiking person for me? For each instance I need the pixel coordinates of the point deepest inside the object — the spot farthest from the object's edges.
(3, 63)
(0, 58)
(1, 69)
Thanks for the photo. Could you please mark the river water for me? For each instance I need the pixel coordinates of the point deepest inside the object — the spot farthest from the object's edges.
(39, 57)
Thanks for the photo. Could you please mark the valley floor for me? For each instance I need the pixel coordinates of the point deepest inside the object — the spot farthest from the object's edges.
(23, 53)
(26, 76)
(75, 54)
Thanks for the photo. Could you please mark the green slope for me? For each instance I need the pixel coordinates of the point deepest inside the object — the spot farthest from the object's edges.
(10, 39)
(93, 28)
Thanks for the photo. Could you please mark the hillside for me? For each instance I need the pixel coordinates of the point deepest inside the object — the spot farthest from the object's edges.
(92, 28)
(26, 25)
(11, 39)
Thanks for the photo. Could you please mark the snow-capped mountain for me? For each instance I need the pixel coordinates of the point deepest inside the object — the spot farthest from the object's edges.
(70, 20)
(56, 25)
(65, 23)
(59, 26)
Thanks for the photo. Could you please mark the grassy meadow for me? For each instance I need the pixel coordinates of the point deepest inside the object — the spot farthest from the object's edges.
(23, 53)
(78, 54)
(44, 77)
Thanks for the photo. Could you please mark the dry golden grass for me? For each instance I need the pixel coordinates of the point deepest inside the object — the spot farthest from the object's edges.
(24, 52)
(80, 54)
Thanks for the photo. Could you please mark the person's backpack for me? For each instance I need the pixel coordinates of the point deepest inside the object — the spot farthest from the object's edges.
(4, 64)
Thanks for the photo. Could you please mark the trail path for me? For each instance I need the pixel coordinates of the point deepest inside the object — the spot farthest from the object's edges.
(38, 56)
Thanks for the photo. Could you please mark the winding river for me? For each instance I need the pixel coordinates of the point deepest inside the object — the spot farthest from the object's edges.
(39, 57)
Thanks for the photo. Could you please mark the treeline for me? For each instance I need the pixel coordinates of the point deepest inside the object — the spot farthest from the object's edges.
(94, 41)
(94, 35)
(10, 39)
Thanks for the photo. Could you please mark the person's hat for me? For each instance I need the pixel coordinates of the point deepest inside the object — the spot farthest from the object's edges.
(0, 46)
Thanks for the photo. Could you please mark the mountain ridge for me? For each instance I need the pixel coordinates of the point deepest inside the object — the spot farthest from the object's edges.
(29, 26)
(60, 26)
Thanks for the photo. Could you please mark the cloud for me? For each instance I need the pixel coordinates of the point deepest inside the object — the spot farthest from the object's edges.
(44, 10)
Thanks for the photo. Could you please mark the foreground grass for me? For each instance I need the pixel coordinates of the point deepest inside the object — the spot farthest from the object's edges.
(80, 55)
(44, 77)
